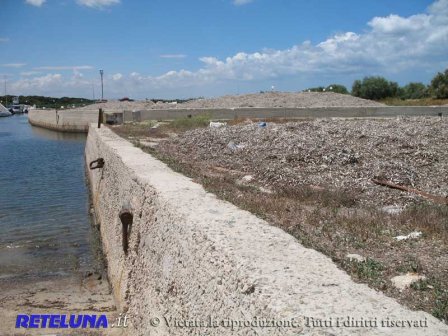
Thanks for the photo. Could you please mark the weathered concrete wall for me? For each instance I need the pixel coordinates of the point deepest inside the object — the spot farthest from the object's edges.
(319, 112)
(63, 120)
(192, 256)
(78, 121)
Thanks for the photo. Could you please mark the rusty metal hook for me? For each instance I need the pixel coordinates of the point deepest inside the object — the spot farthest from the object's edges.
(126, 218)
(99, 164)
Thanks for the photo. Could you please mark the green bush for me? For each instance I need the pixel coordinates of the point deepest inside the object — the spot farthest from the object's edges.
(439, 85)
(414, 91)
(315, 89)
(338, 88)
(375, 88)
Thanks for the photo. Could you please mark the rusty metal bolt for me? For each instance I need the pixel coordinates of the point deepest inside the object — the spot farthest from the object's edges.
(126, 218)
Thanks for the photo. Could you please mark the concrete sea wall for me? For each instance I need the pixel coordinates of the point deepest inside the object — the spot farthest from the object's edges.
(76, 121)
(79, 120)
(194, 259)
(315, 112)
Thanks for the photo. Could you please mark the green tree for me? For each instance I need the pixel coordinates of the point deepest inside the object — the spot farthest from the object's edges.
(414, 91)
(375, 88)
(338, 88)
(315, 89)
(439, 85)
(356, 88)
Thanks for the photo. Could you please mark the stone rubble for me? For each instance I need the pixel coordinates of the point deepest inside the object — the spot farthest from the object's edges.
(404, 281)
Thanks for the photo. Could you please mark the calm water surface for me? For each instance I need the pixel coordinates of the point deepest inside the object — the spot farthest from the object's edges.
(44, 202)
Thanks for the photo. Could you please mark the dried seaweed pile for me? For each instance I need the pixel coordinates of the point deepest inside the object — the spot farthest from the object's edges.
(115, 105)
(266, 100)
(277, 99)
(333, 154)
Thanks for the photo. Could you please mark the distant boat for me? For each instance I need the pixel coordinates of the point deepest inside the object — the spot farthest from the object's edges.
(18, 108)
(4, 111)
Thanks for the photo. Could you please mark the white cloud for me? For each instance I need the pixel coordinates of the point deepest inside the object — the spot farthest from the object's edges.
(173, 56)
(98, 3)
(13, 65)
(439, 7)
(36, 3)
(393, 42)
(117, 76)
(60, 68)
(38, 84)
(241, 2)
(394, 24)
(389, 44)
(30, 73)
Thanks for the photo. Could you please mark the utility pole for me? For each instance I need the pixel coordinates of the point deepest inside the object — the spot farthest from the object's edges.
(102, 92)
(93, 91)
(6, 98)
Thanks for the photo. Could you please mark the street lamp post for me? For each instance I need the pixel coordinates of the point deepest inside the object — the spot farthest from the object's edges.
(6, 98)
(102, 92)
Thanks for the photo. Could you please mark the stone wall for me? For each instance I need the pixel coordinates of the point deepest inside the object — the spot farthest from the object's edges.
(193, 257)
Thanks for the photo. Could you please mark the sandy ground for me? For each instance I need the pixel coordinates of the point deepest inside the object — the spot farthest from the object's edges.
(70, 295)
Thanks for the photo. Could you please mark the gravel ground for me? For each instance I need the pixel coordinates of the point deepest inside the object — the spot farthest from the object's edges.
(267, 100)
(335, 154)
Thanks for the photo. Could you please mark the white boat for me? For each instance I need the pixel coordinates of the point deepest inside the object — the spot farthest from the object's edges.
(4, 111)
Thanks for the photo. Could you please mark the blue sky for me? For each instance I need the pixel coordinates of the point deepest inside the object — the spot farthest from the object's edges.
(174, 49)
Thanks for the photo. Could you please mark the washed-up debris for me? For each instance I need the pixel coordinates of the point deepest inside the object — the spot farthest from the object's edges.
(217, 124)
(392, 209)
(265, 190)
(245, 180)
(355, 257)
(404, 281)
(262, 124)
(437, 199)
(231, 145)
(412, 235)
(340, 155)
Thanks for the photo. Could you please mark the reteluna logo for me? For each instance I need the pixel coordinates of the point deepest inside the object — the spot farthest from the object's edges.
(63, 321)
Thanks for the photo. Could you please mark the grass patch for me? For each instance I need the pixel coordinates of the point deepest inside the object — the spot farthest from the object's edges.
(153, 129)
(369, 269)
(139, 130)
(414, 102)
(430, 218)
(188, 123)
(440, 309)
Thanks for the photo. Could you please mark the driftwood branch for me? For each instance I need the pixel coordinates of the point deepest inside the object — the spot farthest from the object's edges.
(434, 198)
